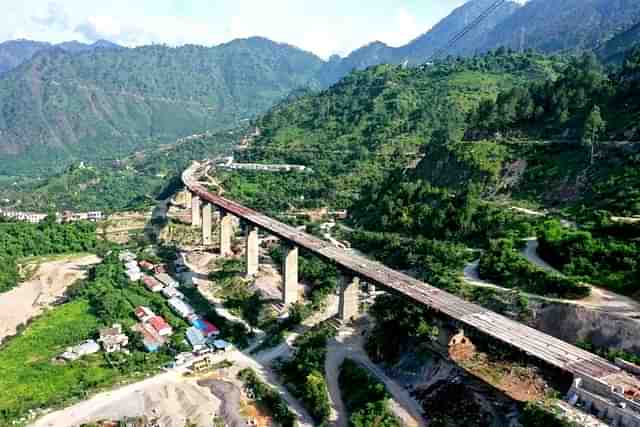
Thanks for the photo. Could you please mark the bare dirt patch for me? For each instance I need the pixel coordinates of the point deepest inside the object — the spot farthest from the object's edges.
(169, 398)
(46, 286)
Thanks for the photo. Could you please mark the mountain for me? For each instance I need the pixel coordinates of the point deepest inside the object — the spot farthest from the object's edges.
(615, 49)
(77, 101)
(15, 52)
(475, 122)
(543, 25)
(374, 121)
(420, 50)
(107, 102)
(78, 47)
(564, 25)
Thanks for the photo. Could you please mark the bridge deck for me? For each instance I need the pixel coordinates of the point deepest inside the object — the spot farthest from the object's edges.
(531, 341)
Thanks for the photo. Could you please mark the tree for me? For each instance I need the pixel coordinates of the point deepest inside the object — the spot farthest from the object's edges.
(594, 127)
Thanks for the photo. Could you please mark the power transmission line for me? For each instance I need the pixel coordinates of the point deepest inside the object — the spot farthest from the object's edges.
(458, 36)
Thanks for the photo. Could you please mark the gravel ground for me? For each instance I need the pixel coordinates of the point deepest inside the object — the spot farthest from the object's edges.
(49, 284)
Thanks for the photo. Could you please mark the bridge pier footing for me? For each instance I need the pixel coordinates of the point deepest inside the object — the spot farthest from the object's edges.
(207, 214)
(290, 274)
(196, 215)
(252, 250)
(226, 229)
(349, 304)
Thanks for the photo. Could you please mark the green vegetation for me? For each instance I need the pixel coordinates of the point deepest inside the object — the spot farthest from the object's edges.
(19, 240)
(267, 396)
(502, 264)
(397, 325)
(109, 103)
(304, 372)
(236, 295)
(417, 208)
(133, 183)
(534, 415)
(610, 353)
(365, 398)
(368, 125)
(33, 379)
(602, 261)
(435, 261)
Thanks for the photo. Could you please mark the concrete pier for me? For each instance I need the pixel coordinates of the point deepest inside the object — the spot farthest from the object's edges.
(252, 250)
(196, 215)
(207, 213)
(290, 274)
(349, 303)
(226, 230)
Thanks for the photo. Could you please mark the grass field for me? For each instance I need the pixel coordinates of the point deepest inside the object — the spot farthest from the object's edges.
(31, 378)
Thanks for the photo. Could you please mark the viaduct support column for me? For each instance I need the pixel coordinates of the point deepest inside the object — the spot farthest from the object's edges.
(196, 218)
(226, 229)
(349, 303)
(290, 274)
(252, 250)
(207, 211)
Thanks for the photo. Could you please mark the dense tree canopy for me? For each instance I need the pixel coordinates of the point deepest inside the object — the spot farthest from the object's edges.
(19, 240)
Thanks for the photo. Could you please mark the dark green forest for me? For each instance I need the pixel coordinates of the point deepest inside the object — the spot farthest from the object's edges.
(105, 104)
(19, 240)
(133, 183)
(441, 152)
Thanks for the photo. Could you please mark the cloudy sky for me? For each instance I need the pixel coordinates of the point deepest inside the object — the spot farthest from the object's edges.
(324, 27)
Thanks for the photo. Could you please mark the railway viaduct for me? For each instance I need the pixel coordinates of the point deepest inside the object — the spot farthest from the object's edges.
(599, 385)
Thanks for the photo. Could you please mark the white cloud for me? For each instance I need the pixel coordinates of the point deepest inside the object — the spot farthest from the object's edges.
(325, 27)
(54, 16)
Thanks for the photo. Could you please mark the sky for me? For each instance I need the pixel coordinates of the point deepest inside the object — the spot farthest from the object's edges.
(324, 27)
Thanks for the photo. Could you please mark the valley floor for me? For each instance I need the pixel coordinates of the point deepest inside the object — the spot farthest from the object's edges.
(47, 286)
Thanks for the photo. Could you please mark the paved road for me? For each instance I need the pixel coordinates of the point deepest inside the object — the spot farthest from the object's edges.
(531, 341)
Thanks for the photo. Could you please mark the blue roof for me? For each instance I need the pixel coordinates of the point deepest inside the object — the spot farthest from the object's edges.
(195, 337)
(151, 346)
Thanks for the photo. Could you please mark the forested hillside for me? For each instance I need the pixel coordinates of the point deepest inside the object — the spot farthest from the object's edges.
(85, 102)
(15, 52)
(19, 240)
(132, 183)
(564, 25)
(441, 153)
(376, 121)
(104, 104)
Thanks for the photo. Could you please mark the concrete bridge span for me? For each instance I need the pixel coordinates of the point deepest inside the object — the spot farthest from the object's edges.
(607, 377)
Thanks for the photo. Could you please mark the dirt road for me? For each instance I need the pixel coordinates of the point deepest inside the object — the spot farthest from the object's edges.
(600, 299)
(49, 283)
(349, 344)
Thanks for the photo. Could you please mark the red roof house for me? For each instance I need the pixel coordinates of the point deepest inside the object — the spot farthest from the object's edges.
(161, 326)
(152, 284)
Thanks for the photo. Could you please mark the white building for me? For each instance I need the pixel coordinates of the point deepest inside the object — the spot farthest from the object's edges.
(167, 280)
(181, 308)
(80, 350)
(172, 292)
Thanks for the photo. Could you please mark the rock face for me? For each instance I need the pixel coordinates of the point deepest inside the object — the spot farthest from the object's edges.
(575, 324)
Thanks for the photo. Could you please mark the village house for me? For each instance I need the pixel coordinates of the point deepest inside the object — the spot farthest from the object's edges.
(85, 348)
(167, 280)
(172, 292)
(144, 314)
(181, 308)
(113, 339)
(152, 284)
(161, 326)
